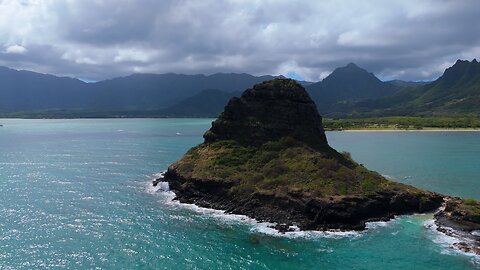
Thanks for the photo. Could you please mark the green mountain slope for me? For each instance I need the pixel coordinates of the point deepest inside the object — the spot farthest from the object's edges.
(345, 86)
(456, 92)
(404, 84)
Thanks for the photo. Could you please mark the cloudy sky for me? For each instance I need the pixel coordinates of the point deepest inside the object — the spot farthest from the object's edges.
(94, 39)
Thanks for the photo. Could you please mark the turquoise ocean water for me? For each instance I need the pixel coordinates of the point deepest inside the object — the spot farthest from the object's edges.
(76, 194)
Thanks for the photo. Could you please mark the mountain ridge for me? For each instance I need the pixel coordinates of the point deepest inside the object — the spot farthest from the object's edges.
(349, 91)
(32, 91)
(456, 92)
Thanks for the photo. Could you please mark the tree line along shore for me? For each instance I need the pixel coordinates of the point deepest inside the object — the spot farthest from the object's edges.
(403, 123)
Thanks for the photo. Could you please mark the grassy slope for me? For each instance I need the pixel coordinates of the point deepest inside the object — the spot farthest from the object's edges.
(281, 167)
(467, 209)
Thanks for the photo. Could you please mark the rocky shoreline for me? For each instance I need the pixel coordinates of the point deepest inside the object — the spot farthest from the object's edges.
(461, 225)
(345, 213)
(290, 214)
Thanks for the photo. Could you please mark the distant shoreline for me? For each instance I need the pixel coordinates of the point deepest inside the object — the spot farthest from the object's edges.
(404, 123)
(410, 130)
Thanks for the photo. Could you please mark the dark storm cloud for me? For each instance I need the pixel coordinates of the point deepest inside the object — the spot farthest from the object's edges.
(108, 22)
(94, 40)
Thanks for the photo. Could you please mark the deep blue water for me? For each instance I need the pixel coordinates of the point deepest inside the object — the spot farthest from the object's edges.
(76, 194)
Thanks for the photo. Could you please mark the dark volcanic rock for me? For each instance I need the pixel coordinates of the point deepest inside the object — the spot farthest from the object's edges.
(308, 213)
(461, 219)
(462, 214)
(267, 112)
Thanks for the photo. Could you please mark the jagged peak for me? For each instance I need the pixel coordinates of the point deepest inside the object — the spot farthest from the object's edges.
(352, 65)
(461, 62)
(350, 71)
(461, 71)
(349, 68)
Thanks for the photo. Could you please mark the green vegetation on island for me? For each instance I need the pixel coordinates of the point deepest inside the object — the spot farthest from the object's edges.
(465, 211)
(403, 123)
(280, 167)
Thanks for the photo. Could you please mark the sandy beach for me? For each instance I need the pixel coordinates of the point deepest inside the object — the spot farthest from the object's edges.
(409, 130)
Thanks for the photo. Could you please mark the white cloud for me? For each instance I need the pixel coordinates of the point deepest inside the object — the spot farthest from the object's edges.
(134, 55)
(15, 49)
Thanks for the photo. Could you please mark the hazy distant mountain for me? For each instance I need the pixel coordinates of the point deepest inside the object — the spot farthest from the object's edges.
(348, 91)
(25, 90)
(28, 91)
(457, 91)
(152, 91)
(208, 103)
(346, 85)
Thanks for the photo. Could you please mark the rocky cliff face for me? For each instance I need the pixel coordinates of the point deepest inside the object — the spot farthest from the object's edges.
(267, 112)
(267, 157)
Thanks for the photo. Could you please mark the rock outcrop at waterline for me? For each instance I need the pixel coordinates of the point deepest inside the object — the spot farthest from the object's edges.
(460, 219)
(267, 157)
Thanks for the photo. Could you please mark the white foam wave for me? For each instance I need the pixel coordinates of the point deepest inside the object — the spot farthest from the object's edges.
(160, 187)
(158, 175)
(256, 226)
(267, 228)
(150, 189)
(449, 240)
(163, 186)
(439, 237)
(260, 227)
(380, 224)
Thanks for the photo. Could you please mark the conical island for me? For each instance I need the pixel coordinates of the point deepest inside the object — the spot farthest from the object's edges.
(267, 157)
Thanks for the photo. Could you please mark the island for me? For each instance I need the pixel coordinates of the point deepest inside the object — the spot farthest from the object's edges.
(267, 157)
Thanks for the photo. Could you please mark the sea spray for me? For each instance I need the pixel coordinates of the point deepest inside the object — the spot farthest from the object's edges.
(450, 240)
(267, 228)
